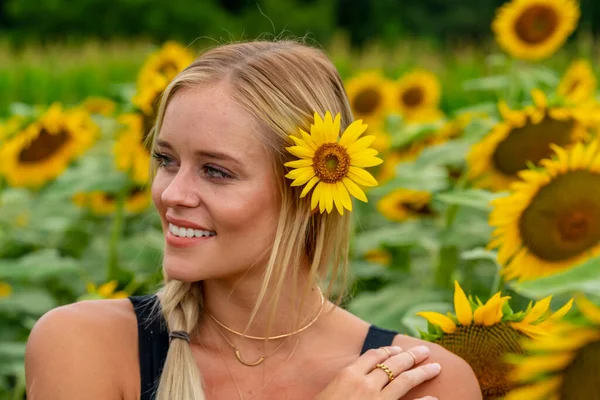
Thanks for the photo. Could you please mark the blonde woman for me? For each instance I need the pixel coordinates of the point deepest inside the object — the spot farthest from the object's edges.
(255, 157)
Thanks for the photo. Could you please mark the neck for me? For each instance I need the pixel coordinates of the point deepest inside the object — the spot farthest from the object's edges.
(232, 304)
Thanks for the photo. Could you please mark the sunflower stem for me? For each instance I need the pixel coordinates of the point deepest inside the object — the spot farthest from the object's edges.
(115, 236)
(448, 260)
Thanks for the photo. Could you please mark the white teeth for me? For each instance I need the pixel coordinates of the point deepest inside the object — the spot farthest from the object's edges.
(189, 232)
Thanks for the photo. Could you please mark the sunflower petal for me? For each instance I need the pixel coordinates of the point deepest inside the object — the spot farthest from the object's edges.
(361, 144)
(354, 190)
(352, 133)
(344, 196)
(309, 186)
(538, 310)
(302, 152)
(328, 195)
(464, 313)
(589, 309)
(316, 196)
(361, 177)
(447, 325)
(365, 162)
(304, 162)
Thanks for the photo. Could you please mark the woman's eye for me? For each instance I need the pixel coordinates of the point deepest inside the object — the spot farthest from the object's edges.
(161, 159)
(215, 173)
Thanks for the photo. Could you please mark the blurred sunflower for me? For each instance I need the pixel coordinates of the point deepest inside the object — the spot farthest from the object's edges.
(551, 221)
(565, 364)
(333, 165)
(46, 147)
(402, 204)
(5, 289)
(417, 96)
(378, 256)
(484, 334)
(369, 94)
(523, 138)
(11, 126)
(104, 291)
(99, 105)
(131, 153)
(579, 82)
(159, 69)
(101, 203)
(535, 29)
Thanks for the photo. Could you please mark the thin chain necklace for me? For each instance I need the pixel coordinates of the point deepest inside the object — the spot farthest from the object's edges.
(272, 337)
(268, 381)
(238, 355)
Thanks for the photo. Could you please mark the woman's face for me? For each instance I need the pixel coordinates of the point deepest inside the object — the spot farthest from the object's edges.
(214, 188)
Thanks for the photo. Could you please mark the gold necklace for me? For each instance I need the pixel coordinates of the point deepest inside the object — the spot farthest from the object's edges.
(272, 337)
(238, 355)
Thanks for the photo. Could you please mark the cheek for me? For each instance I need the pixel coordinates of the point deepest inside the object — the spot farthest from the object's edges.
(157, 189)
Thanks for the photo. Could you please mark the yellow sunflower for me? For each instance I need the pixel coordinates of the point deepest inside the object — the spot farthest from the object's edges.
(159, 69)
(416, 96)
(523, 138)
(578, 85)
(333, 165)
(46, 147)
(131, 153)
(5, 289)
(99, 105)
(484, 334)
(369, 94)
(101, 203)
(551, 221)
(105, 291)
(402, 204)
(535, 29)
(563, 365)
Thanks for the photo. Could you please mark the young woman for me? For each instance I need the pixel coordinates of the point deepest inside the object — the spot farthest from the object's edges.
(254, 223)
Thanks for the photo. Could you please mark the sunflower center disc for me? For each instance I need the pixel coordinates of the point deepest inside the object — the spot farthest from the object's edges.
(331, 162)
(581, 377)
(412, 97)
(416, 207)
(367, 101)
(484, 348)
(536, 24)
(531, 143)
(43, 147)
(563, 219)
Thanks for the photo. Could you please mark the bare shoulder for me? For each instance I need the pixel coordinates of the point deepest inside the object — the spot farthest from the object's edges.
(83, 348)
(456, 381)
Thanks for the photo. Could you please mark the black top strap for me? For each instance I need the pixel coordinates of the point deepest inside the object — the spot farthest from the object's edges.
(378, 337)
(153, 342)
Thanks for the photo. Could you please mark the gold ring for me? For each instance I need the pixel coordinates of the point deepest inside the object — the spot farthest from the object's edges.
(387, 351)
(413, 356)
(385, 369)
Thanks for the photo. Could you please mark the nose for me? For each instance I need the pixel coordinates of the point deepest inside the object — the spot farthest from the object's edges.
(181, 191)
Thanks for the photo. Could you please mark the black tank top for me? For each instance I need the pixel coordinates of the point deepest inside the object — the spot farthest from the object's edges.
(153, 339)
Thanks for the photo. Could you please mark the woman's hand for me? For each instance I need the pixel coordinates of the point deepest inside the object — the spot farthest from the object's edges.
(365, 380)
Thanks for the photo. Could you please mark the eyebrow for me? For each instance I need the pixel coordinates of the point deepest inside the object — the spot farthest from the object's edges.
(205, 153)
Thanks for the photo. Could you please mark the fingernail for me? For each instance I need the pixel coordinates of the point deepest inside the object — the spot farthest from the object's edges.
(397, 349)
(434, 367)
(423, 349)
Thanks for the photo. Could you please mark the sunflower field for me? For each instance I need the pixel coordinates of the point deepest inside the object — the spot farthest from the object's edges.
(482, 235)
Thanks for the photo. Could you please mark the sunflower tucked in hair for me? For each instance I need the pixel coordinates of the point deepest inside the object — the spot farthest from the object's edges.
(524, 137)
(369, 94)
(416, 92)
(333, 165)
(551, 221)
(483, 334)
(131, 153)
(578, 85)
(563, 365)
(535, 29)
(160, 68)
(44, 148)
(101, 203)
(403, 204)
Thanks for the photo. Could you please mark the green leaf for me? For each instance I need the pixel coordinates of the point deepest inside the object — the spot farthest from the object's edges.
(406, 233)
(37, 265)
(583, 278)
(488, 83)
(31, 301)
(449, 153)
(432, 178)
(474, 198)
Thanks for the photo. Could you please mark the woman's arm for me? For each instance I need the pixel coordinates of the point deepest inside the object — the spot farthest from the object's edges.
(456, 381)
(67, 356)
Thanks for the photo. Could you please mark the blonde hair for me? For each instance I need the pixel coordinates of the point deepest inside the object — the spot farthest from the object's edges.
(281, 84)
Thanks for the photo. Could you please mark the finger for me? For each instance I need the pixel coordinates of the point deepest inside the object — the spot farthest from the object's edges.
(427, 398)
(398, 364)
(367, 361)
(410, 379)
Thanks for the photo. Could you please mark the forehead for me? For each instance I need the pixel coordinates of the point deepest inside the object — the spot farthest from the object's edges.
(205, 118)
